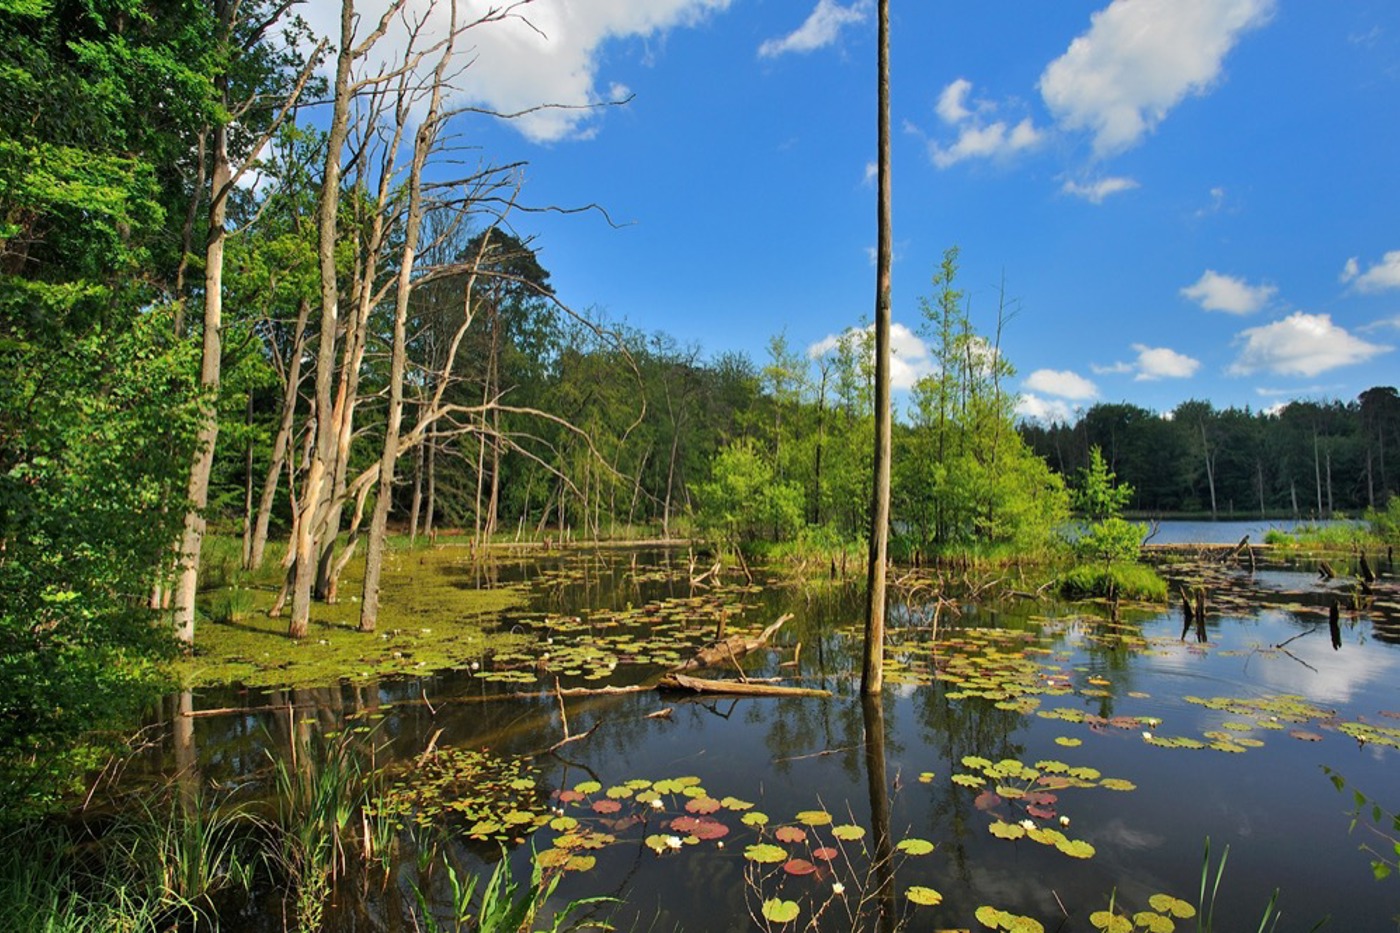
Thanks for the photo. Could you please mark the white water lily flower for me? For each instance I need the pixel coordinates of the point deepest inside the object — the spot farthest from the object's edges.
(838, 888)
(1028, 824)
(673, 842)
(656, 804)
(1147, 735)
(1064, 821)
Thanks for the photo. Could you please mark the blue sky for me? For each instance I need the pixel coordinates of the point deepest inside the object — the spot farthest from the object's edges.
(1184, 198)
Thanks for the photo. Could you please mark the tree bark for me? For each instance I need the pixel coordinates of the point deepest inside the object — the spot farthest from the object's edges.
(313, 498)
(192, 539)
(872, 673)
(423, 143)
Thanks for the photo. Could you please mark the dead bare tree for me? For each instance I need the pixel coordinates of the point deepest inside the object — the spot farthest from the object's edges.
(235, 38)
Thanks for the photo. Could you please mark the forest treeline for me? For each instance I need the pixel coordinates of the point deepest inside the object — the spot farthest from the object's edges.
(265, 285)
(1307, 459)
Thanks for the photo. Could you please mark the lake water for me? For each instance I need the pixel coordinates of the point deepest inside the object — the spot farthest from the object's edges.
(1225, 532)
(1146, 738)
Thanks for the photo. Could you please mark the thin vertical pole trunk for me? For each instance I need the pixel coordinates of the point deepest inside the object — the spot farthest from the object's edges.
(432, 487)
(248, 485)
(872, 674)
(415, 509)
(1317, 472)
(282, 441)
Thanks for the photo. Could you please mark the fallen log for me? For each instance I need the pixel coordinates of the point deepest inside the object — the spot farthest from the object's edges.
(680, 683)
(731, 648)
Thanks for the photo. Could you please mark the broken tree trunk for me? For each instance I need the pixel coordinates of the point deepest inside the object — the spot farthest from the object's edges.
(680, 683)
(735, 646)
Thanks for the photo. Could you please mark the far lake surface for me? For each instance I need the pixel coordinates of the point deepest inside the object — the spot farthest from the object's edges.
(1053, 757)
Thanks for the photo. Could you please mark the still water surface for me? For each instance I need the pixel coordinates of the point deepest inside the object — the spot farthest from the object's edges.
(1065, 684)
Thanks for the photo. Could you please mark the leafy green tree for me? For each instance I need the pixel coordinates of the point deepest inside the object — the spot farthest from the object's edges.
(744, 501)
(969, 479)
(1100, 499)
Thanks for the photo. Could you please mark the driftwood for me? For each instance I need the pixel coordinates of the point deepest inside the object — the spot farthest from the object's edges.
(680, 683)
(735, 646)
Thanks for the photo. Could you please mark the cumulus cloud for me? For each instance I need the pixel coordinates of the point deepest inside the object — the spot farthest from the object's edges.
(1382, 276)
(1301, 345)
(952, 103)
(1096, 191)
(821, 28)
(1216, 292)
(1061, 383)
(977, 138)
(1139, 59)
(1155, 363)
(546, 53)
(909, 356)
(1031, 407)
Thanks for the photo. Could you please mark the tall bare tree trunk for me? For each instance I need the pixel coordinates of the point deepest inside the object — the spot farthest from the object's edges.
(872, 672)
(423, 144)
(314, 500)
(192, 539)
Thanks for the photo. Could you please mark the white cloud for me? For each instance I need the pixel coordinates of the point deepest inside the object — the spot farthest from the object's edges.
(952, 103)
(1113, 369)
(1096, 191)
(1030, 407)
(1382, 276)
(977, 139)
(872, 172)
(986, 142)
(1301, 345)
(820, 29)
(1139, 59)
(545, 53)
(909, 357)
(1216, 292)
(1155, 363)
(1061, 383)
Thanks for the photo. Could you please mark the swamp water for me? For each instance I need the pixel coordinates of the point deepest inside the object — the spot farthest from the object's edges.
(1035, 759)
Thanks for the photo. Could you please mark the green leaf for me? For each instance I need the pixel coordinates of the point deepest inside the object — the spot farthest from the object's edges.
(776, 910)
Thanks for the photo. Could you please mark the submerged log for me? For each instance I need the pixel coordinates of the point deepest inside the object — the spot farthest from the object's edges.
(680, 683)
(730, 649)
(1367, 574)
(1325, 571)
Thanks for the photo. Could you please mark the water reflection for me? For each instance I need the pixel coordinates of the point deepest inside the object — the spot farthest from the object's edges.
(979, 683)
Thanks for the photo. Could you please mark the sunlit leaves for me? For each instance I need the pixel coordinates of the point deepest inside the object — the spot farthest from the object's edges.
(1166, 904)
(924, 897)
(1003, 830)
(914, 846)
(814, 818)
(765, 853)
(776, 910)
(848, 832)
(995, 919)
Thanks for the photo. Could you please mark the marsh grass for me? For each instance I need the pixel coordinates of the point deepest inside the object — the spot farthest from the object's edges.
(1120, 580)
(322, 792)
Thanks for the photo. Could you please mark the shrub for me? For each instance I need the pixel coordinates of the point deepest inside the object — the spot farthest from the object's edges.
(1127, 581)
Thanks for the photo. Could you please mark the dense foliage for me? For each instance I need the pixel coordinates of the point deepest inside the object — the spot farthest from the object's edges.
(1303, 459)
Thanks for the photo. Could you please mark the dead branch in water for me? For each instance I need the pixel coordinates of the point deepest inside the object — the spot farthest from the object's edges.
(680, 683)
